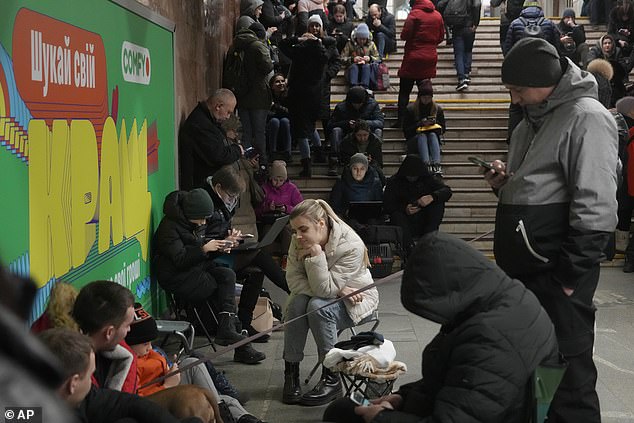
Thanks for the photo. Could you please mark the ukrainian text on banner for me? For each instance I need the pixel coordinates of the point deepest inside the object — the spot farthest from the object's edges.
(86, 141)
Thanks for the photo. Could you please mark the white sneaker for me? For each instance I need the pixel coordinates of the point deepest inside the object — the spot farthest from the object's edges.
(462, 86)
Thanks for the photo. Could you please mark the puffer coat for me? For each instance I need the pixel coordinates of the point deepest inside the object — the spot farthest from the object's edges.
(494, 333)
(422, 32)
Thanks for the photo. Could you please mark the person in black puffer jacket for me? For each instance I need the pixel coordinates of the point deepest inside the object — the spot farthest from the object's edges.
(415, 199)
(493, 335)
(532, 12)
(184, 267)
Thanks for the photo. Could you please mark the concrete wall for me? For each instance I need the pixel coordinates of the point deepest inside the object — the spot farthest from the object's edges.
(204, 30)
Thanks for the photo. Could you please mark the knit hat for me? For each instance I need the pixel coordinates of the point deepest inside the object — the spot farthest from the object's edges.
(259, 30)
(197, 204)
(569, 13)
(143, 328)
(362, 31)
(359, 158)
(356, 94)
(425, 88)
(532, 62)
(625, 106)
(317, 19)
(278, 168)
(529, 3)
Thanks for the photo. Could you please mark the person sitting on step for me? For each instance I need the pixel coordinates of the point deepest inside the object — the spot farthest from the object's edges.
(358, 54)
(415, 200)
(326, 260)
(281, 195)
(359, 182)
(362, 140)
(423, 125)
(358, 105)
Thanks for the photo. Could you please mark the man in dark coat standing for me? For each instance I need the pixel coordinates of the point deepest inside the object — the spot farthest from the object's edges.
(493, 336)
(557, 206)
(203, 144)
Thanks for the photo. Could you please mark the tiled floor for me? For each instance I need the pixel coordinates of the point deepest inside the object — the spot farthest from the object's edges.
(613, 355)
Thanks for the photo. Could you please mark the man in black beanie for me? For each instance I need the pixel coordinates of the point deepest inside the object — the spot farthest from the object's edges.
(557, 206)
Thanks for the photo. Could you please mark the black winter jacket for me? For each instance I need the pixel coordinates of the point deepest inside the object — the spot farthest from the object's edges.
(399, 192)
(374, 150)
(516, 30)
(493, 335)
(257, 67)
(315, 62)
(344, 112)
(219, 223)
(203, 148)
(177, 244)
(387, 27)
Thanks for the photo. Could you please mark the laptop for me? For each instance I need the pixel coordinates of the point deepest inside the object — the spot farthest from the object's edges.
(269, 236)
(363, 211)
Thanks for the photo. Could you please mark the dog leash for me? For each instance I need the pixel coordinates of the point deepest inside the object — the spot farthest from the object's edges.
(390, 278)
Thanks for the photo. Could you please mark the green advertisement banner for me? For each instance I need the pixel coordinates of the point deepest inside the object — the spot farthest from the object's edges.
(86, 141)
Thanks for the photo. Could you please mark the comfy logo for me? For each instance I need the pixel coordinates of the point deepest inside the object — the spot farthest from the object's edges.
(135, 63)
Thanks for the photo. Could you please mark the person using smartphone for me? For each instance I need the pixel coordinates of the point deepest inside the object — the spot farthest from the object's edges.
(415, 200)
(492, 336)
(184, 266)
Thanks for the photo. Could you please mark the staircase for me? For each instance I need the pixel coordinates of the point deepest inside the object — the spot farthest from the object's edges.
(476, 125)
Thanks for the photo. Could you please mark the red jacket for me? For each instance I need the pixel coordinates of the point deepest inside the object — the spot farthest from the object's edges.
(423, 31)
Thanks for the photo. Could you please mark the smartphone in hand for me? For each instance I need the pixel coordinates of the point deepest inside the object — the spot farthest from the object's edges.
(358, 398)
(480, 162)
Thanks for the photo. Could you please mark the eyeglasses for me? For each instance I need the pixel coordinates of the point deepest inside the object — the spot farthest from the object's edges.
(229, 195)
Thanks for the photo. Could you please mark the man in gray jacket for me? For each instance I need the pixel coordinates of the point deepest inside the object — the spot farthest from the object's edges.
(557, 206)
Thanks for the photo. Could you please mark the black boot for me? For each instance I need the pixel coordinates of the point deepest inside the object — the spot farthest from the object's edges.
(227, 332)
(332, 166)
(327, 389)
(248, 355)
(292, 392)
(306, 169)
(628, 267)
(320, 156)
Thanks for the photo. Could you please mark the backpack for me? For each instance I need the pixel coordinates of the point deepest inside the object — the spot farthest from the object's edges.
(513, 9)
(533, 27)
(234, 76)
(457, 13)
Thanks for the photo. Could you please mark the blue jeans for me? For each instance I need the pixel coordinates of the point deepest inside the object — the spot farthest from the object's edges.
(254, 129)
(304, 145)
(379, 39)
(359, 75)
(324, 325)
(428, 146)
(463, 39)
(278, 133)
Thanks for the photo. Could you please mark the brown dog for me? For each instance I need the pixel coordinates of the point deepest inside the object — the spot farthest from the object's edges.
(189, 401)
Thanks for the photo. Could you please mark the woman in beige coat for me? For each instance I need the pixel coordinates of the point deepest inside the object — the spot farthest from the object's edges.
(326, 260)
